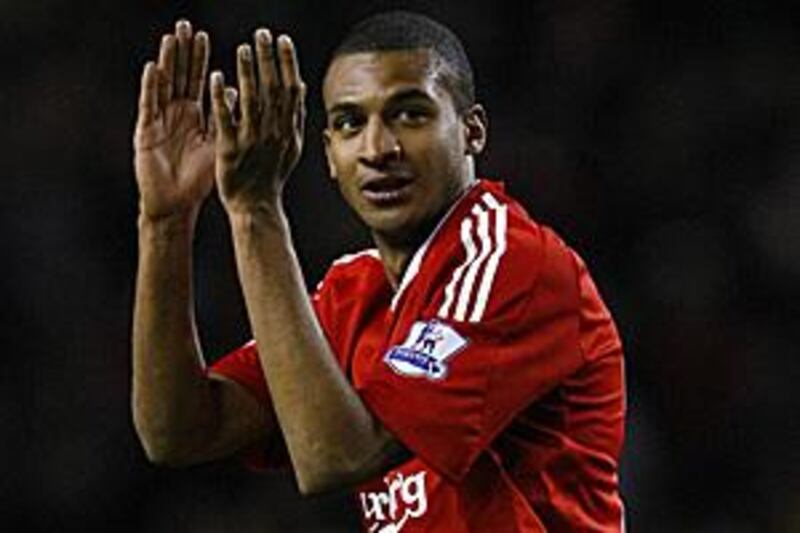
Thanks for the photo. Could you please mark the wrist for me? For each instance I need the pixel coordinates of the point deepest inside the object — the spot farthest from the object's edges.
(171, 226)
(263, 214)
(255, 225)
(246, 205)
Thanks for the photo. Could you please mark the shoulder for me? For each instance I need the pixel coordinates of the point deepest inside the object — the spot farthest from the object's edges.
(351, 274)
(360, 259)
(349, 268)
(494, 257)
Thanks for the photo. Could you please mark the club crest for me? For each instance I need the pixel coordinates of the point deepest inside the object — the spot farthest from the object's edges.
(426, 350)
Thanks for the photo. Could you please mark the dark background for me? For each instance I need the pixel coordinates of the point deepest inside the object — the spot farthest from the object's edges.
(661, 139)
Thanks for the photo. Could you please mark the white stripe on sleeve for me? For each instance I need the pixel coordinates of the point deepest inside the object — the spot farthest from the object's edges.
(490, 200)
(469, 246)
(487, 280)
(469, 279)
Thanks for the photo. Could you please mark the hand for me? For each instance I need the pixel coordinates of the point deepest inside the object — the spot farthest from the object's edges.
(256, 154)
(174, 152)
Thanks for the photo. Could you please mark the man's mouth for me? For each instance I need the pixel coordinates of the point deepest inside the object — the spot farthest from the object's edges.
(386, 189)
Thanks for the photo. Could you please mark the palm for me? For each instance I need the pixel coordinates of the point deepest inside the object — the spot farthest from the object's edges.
(174, 153)
(174, 160)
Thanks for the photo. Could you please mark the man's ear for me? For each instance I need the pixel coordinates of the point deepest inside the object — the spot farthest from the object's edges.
(326, 141)
(476, 129)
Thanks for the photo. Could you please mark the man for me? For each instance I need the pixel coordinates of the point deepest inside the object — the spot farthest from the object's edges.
(463, 376)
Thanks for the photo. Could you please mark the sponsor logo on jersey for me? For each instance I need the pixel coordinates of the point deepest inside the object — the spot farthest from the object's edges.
(388, 511)
(426, 351)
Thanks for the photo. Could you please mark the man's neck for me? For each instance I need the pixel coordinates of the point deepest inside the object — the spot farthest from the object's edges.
(395, 256)
(396, 253)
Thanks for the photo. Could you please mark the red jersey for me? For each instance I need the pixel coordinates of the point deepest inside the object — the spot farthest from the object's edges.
(495, 363)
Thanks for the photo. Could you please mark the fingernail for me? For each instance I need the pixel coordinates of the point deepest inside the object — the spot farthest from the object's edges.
(285, 41)
(263, 35)
(244, 51)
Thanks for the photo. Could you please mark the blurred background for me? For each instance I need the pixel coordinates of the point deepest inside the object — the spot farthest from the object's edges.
(661, 139)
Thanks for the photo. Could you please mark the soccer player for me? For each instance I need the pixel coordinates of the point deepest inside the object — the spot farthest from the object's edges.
(464, 375)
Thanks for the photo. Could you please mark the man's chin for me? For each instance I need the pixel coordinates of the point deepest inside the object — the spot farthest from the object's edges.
(392, 225)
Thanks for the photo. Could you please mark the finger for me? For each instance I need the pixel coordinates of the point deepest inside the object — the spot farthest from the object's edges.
(290, 69)
(231, 95)
(294, 124)
(270, 83)
(300, 112)
(211, 130)
(297, 120)
(293, 109)
(166, 70)
(199, 68)
(148, 95)
(183, 33)
(248, 103)
(266, 63)
(293, 85)
(226, 131)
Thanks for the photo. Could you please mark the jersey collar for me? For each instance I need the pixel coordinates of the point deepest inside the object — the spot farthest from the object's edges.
(416, 261)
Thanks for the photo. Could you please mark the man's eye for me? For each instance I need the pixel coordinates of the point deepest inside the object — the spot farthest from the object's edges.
(346, 123)
(413, 116)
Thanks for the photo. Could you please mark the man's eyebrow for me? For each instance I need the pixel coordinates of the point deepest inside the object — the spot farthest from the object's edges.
(412, 93)
(343, 107)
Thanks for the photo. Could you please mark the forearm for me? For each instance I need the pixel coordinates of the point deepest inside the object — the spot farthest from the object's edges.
(332, 438)
(170, 390)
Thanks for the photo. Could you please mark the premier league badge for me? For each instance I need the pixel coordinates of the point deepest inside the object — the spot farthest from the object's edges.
(426, 350)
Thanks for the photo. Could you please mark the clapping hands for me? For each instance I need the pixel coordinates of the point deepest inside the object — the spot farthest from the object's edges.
(249, 144)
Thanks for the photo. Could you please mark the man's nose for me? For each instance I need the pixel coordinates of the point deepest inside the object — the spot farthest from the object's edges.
(380, 142)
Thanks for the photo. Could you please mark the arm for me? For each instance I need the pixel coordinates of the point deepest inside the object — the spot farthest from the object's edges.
(333, 440)
(181, 415)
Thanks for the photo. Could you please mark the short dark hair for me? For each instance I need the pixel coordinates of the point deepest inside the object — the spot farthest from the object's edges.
(404, 30)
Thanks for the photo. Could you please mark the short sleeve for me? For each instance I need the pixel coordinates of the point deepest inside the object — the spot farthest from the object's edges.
(331, 296)
(243, 367)
(447, 387)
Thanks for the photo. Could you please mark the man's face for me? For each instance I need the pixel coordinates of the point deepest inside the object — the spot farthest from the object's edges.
(395, 144)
